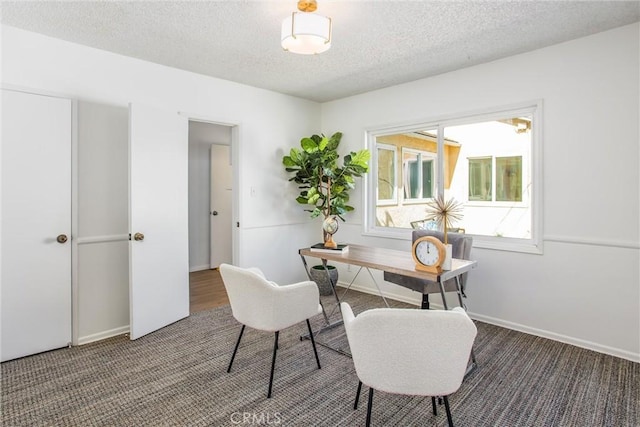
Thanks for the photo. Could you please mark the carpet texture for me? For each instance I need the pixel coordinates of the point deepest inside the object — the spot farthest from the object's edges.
(177, 377)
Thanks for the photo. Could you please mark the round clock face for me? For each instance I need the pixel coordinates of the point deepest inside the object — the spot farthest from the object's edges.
(427, 253)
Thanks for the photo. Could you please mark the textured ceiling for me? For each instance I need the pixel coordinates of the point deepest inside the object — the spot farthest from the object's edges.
(375, 43)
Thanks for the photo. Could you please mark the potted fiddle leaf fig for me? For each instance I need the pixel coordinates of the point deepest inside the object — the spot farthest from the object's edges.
(324, 183)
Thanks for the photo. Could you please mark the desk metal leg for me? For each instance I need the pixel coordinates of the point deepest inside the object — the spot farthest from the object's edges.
(444, 299)
(442, 293)
(306, 269)
(333, 285)
(379, 290)
(473, 364)
(344, 293)
(328, 325)
(459, 292)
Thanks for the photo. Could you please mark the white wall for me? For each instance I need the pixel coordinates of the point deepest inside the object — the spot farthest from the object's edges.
(101, 238)
(268, 123)
(201, 136)
(585, 288)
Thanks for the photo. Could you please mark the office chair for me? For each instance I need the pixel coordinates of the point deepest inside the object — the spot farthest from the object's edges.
(263, 305)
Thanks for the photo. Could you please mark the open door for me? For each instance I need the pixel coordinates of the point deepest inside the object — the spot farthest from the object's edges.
(221, 205)
(158, 219)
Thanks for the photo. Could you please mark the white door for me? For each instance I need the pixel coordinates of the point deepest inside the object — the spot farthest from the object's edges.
(221, 198)
(158, 219)
(36, 209)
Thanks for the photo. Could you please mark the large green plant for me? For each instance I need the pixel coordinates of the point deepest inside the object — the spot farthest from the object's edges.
(323, 183)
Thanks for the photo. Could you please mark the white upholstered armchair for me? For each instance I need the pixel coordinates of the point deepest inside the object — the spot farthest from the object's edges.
(410, 351)
(263, 305)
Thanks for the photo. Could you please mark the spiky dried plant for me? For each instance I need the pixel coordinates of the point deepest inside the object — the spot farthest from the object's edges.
(445, 213)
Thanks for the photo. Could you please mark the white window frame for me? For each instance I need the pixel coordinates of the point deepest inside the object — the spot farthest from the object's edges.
(533, 109)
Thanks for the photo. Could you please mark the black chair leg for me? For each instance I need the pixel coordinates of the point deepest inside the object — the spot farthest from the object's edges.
(235, 350)
(273, 364)
(446, 405)
(355, 403)
(369, 406)
(433, 405)
(313, 343)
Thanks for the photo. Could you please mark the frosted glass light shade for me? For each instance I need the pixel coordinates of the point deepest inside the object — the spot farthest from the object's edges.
(306, 33)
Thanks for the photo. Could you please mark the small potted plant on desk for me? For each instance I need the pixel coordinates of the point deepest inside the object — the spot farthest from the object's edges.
(324, 184)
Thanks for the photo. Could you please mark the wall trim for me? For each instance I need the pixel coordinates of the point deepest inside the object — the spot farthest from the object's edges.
(589, 345)
(625, 244)
(199, 268)
(102, 239)
(103, 335)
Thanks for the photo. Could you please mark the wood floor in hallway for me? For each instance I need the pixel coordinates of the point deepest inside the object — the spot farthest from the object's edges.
(206, 290)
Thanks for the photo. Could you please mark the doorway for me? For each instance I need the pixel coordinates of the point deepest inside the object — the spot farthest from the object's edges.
(211, 195)
(204, 139)
(205, 168)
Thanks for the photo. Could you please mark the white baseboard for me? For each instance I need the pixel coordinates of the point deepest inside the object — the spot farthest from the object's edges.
(103, 335)
(199, 268)
(589, 345)
(623, 354)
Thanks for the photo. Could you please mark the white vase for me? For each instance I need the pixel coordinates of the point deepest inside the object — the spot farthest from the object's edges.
(446, 265)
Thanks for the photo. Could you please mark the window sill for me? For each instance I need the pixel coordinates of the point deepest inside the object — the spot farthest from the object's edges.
(481, 242)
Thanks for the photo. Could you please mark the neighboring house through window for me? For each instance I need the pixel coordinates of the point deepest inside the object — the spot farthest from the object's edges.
(386, 189)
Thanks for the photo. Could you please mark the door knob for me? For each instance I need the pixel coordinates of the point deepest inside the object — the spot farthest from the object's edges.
(62, 238)
(214, 213)
(138, 237)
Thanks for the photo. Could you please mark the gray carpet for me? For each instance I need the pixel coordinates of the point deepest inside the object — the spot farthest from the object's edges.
(177, 377)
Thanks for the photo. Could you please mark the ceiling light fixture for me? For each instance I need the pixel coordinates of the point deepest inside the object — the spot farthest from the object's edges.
(306, 32)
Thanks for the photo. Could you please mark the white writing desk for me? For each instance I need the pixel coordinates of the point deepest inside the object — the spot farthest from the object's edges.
(394, 261)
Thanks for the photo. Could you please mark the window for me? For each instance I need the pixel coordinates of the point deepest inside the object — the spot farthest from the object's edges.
(489, 162)
(480, 179)
(508, 179)
(386, 189)
(418, 172)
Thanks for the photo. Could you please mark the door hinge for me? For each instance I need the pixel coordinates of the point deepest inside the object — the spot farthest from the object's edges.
(238, 224)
